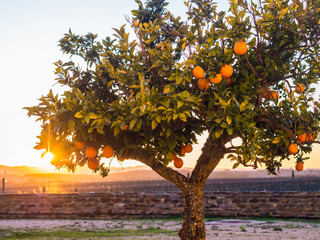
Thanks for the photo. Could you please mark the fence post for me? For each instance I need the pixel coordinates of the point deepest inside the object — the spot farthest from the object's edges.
(3, 185)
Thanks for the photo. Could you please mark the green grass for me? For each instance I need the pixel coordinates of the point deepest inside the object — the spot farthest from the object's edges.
(62, 234)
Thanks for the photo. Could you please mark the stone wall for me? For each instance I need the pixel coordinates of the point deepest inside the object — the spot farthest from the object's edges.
(125, 205)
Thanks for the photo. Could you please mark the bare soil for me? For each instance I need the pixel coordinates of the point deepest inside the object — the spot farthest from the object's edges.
(222, 229)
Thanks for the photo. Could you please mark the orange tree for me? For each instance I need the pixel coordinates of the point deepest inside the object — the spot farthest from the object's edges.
(140, 98)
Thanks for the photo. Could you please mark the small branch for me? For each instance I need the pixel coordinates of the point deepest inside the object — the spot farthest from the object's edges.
(253, 70)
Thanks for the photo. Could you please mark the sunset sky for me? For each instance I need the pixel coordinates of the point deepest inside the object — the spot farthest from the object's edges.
(30, 31)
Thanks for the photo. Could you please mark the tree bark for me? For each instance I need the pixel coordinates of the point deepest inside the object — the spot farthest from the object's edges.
(193, 227)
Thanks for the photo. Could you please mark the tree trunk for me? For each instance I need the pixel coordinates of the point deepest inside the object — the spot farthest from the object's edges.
(193, 227)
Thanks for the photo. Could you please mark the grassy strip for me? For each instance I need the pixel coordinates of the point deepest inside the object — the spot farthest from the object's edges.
(65, 234)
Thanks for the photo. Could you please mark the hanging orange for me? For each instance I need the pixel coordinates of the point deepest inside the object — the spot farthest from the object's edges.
(91, 152)
(198, 72)
(299, 166)
(226, 70)
(306, 137)
(178, 162)
(188, 148)
(93, 163)
(300, 88)
(203, 84)
(240, 48)
(107, 151)
(293, 148)
(273, 95)
(217, 79)
(80, 145)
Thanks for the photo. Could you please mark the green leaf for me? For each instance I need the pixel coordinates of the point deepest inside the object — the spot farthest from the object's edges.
(243, 106)
(276, 140)
(158, 118)
(71, 125)
(235, 165)
(183, 117)
(80, 114)
(92, 115)
(229, 120)
(133, 123)
(179, 104)
(230, 131)
(116, 131)
(283, 12)
(154, 124)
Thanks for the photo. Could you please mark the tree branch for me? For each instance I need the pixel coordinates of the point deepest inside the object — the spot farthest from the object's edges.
(212, 153)
(168, 173)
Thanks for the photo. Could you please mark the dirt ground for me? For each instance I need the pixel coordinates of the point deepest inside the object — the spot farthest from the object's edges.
(222, 230)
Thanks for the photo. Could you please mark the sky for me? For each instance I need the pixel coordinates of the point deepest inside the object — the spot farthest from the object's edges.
(29, 32)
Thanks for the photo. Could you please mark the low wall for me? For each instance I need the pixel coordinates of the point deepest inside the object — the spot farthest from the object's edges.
(125, 205)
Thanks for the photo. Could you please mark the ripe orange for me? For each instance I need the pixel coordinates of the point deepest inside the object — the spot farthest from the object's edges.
(217, 79)
(173, 157)
(93, 163)
(272, 95)
(198, 72)
(203, 84)
(188, 148)
(300, 88)
(299, 166)
(227, 81)
(293, 148)
(80, 145)
(240, 48)
(91, 152)
(126, 127)
(266, 94)
(226, 70)
(305, 138)
(107, 151)
(183, 151)
(178, 162)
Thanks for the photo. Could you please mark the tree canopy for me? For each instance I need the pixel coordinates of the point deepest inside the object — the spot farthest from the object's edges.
(149, 96)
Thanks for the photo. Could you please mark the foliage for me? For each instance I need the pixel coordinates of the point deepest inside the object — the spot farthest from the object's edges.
(147, 84)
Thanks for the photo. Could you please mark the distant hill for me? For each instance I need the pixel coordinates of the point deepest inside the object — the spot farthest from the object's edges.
(141, 173)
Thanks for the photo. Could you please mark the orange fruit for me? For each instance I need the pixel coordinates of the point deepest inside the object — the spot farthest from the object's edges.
(178, 162)
(227, 81)
(107, 151)
(217, 79)
(272, 95)
(198, 72)
(226, 70)
(240, 48)
(266, 94)
(300, 88)
(183, 151)
(80, 145)
(122, 159)
(203, 84)
(299, 166)
(126, 127)
(91, 152)
(188, 148)
(293, 148)
(173, 157)
(306, 137)
(93, 163)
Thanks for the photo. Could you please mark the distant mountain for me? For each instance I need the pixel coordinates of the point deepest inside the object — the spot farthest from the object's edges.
(141, 173)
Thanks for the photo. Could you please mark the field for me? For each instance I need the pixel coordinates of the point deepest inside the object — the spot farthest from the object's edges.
(156, 229)
(52, 185)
